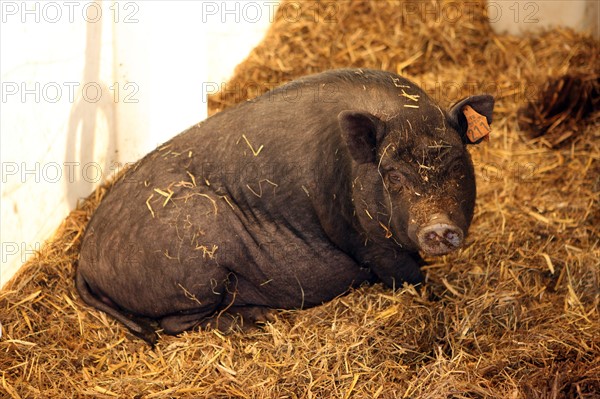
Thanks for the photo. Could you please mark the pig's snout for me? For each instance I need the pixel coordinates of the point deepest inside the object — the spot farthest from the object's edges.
(440, 236)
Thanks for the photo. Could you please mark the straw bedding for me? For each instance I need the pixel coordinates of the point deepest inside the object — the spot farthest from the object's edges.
(515, 314)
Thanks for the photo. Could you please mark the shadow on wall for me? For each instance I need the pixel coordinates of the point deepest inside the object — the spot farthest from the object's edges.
(91, 132)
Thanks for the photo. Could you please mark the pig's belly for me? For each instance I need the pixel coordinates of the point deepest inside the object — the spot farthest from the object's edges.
(275, 266)
(301, 282)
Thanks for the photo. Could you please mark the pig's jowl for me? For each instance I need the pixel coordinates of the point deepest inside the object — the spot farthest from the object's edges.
(283, 202)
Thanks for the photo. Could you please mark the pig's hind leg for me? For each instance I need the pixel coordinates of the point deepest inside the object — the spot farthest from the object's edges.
(215, 306)
(243, 317)
(137, 327)
(226, 320)
(177, 323)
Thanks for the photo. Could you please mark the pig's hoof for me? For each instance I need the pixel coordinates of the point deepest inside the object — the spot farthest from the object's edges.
(147, 334)
(241, 318)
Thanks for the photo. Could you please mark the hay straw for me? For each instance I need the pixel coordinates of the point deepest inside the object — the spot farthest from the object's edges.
(515, 314)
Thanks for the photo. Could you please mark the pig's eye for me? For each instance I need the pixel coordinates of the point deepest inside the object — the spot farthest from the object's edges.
(455, 167)
(396, 179)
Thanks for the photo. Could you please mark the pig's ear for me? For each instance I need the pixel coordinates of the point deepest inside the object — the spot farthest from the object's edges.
(482, 104)
(361, 131)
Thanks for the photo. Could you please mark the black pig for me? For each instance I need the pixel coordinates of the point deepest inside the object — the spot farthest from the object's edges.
(284, 201)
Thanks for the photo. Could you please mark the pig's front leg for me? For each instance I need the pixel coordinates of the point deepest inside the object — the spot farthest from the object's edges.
(395, 269)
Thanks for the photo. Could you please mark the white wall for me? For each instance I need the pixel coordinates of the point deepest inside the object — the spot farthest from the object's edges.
(89, 86)
(520, 16)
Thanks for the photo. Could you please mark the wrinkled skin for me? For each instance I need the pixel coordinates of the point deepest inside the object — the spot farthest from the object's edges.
(283, 202)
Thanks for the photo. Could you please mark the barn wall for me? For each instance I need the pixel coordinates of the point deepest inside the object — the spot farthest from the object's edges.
(90, 86)
(521, 16)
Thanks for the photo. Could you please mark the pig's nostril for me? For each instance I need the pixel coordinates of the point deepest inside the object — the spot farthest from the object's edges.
(440, 238)
(452, 237)
(432, 237)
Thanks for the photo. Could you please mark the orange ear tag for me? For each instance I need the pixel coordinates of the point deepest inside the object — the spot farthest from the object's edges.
(477, 126)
